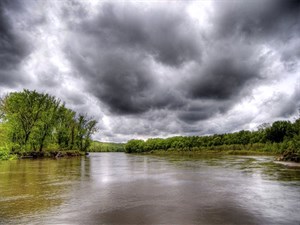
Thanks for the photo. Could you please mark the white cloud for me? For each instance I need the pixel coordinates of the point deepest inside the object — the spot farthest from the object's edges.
(141, 68)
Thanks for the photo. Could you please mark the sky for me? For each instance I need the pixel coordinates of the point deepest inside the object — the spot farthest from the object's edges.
(146, 69)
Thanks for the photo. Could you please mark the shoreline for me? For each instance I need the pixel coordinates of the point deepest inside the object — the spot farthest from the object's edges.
(51, 154)
(55, 154)
(289, 164)
(209, 152)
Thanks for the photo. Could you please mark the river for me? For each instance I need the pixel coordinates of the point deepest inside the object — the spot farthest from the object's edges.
(118, 188)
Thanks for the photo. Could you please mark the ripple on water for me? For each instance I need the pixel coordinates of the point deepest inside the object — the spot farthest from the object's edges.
(116, 188)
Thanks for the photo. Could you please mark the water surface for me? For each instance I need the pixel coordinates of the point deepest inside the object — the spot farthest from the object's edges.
(117, 188)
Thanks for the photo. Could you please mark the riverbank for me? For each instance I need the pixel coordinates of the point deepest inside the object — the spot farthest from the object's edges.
(210, 152)
(53, 154)
(288, 164)
(44, 154)
(284, 159)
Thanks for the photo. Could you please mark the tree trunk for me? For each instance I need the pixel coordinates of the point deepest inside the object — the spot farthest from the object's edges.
(72, 137)
(42, 141)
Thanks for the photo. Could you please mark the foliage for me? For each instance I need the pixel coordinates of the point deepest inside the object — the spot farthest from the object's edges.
(85, 128)
(36, 121)
(279, 137)
(97, 146)
(135, 146)
(4, 148)
(279, 131)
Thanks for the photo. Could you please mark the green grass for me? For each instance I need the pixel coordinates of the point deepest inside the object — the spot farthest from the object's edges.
(210, 152)
(98, 146)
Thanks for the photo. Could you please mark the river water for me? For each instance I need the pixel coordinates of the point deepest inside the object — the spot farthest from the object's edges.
(117, 188)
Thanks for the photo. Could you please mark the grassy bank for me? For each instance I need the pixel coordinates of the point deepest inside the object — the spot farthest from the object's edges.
(98, 146)
(52, 154)
(210, 152)
(281, 137)
(4, 155)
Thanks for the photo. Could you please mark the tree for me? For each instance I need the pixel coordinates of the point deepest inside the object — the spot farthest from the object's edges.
(66, 128)
(279, 131)
(35, 120)
(47, 121)
(134, 146)
(86, 127)
(22, 110)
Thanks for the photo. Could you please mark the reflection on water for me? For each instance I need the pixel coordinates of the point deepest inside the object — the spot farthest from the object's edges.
(116, 188)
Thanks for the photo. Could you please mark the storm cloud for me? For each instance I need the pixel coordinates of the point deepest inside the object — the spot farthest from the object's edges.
(126, 44)
(257, 19)
(13, 48)
(148, 69)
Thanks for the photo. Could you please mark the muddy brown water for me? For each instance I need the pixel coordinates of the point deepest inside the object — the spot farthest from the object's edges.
(117, 188)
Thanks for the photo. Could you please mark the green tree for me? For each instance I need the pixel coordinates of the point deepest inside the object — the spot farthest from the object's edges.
(86, 127)
(66, 128)
(279, 131)
(22, 110)
(134, 146)
(36, 120)
(46, 123)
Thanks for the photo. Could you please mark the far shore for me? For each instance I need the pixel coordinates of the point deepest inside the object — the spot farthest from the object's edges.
(211, 152)
(288, 163)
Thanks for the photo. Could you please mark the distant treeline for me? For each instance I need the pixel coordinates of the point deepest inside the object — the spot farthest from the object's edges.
(32, 122)
(98, 146)
(282, 137)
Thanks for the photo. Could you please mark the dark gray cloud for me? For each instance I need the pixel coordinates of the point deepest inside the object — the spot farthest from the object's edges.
(118, 49)
(13, 48)
(194, 116)
(258, 19)
(165, 34)
(202, 110)
(123, 84)
(226, 75)
(233, 65)
(147, 69)
(118, 67)
(286, 105)
(270, 23)
(222, 78)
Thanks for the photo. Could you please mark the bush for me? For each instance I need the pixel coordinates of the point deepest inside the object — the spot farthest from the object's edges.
(5, 153)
